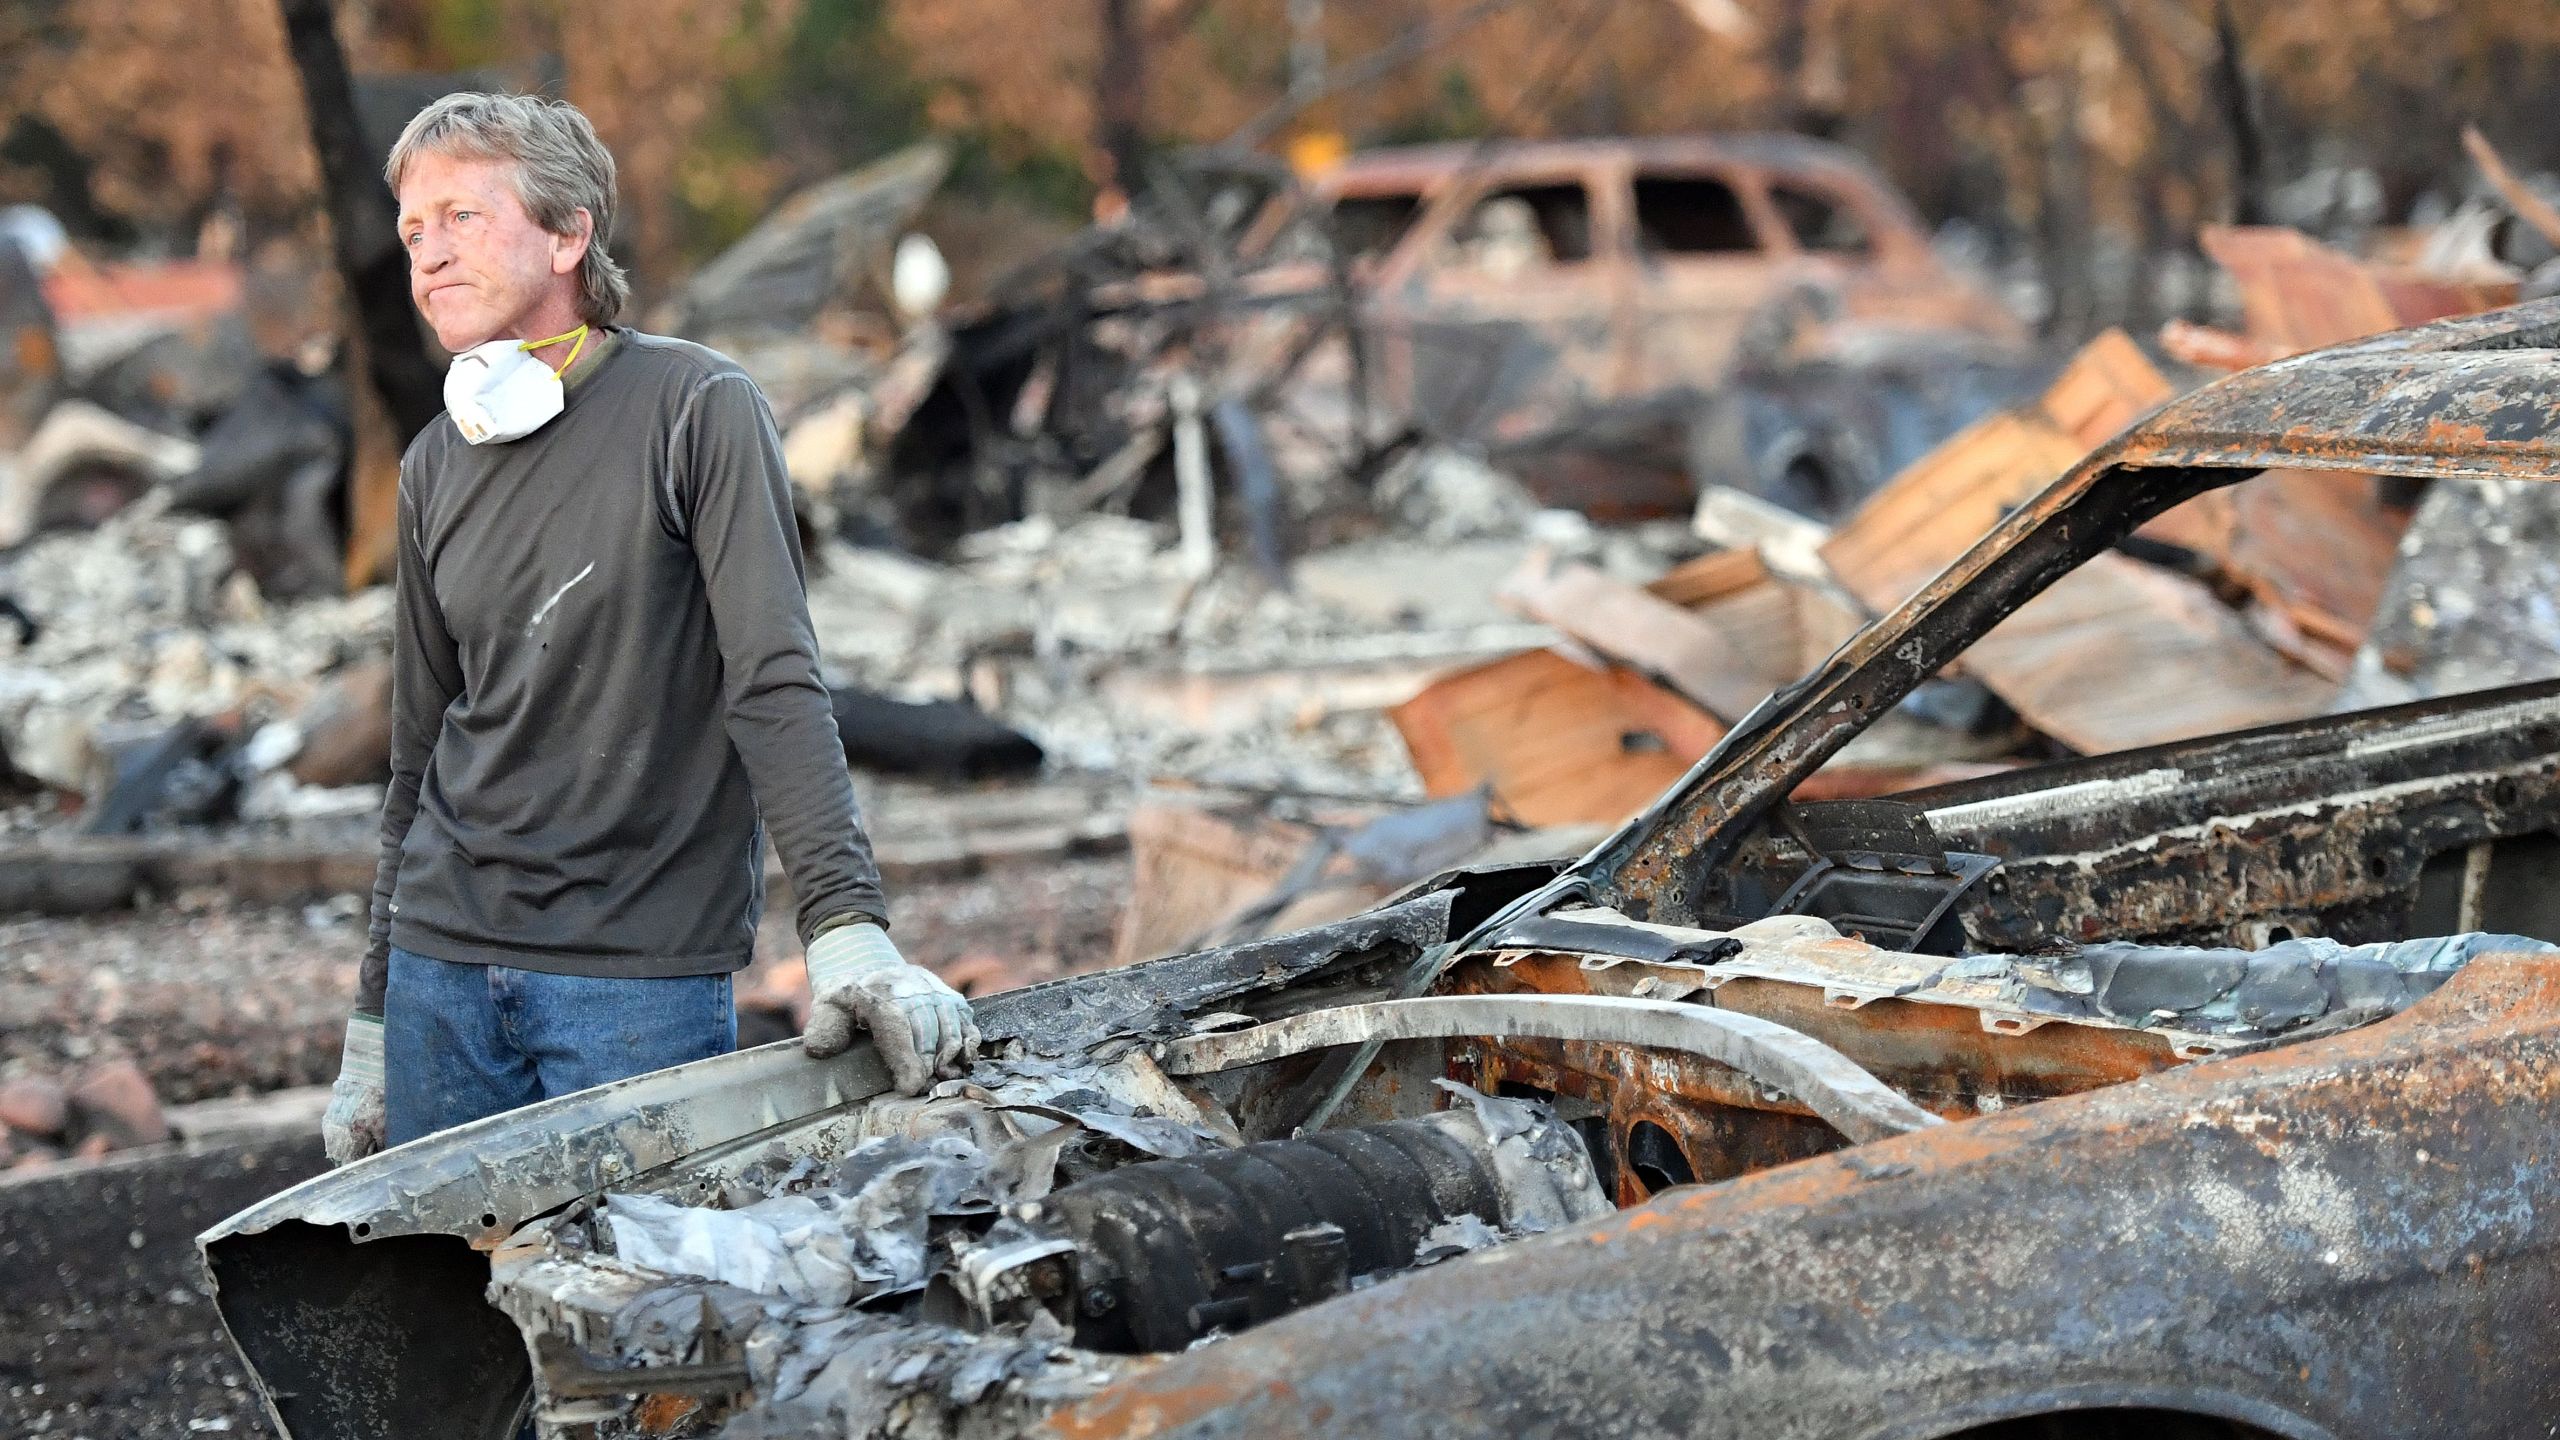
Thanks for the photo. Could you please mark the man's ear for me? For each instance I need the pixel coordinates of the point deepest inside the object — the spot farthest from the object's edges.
(568, 250)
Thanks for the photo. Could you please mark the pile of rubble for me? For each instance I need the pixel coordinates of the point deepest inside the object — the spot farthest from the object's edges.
(103, 1107)
(148, 674)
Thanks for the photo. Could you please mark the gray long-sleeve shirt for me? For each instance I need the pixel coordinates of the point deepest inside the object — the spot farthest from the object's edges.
(603, 674)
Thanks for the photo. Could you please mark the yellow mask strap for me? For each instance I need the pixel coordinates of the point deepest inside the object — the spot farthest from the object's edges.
(579, 334)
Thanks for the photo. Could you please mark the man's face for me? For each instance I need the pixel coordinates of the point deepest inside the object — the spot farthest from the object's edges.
(479, 268)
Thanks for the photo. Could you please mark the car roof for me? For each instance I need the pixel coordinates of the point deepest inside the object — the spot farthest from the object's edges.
(1420, 166)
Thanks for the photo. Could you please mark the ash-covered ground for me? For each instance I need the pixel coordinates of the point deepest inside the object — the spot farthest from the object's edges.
(217, 999)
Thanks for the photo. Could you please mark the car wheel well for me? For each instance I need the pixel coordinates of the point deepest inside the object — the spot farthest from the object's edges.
(2114, 1424)
(1808, 487)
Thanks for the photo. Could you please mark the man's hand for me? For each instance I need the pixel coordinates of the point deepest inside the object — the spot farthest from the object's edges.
(351, 1128)
(920, 1024)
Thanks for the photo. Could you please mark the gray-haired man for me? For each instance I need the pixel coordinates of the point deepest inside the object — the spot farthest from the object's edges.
(605, 682)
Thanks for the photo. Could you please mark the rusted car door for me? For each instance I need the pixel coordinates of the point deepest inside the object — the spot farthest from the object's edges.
(1497, 317)
(1703, 268)
(1842, 236)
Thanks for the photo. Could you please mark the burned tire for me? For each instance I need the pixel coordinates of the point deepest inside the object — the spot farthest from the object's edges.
(1763, 445)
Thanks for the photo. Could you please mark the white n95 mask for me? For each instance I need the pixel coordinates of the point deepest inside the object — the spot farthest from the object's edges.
(499, 392)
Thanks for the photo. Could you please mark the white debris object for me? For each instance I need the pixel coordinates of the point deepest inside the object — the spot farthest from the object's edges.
(789, 1246)
(919, 278)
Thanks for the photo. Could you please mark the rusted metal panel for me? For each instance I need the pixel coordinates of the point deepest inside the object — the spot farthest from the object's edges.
(1192, 868)
(1630, 625)
(2118, 655)
(2107, 386)
(2297, 293)
(1930, 512)
(1933, 511)
(1560, 741)
(2294, 1240)
(1711, 577)
(2314, 549)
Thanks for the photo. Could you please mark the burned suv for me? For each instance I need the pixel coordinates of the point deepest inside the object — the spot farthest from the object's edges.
(1904, 1119)
(1771, 297)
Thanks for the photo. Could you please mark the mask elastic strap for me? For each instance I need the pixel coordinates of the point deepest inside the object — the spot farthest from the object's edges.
(580, 334)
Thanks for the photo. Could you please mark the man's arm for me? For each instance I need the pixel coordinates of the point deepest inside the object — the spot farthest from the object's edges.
(426, 675)
(736, 496)
(737, 499)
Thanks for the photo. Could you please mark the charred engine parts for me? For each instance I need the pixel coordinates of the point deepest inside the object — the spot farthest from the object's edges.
(1879, 871)
(1154, 1256)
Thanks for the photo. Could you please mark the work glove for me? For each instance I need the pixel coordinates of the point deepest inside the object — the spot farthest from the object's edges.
(351, 1128)
(921, 1026)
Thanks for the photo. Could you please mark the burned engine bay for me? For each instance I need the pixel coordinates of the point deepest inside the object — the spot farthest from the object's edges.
(964, 1263)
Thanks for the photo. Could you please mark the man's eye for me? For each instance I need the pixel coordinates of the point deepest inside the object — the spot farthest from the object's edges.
(465, 214)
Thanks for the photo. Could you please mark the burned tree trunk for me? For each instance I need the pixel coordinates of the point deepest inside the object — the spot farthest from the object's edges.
(396, 388)
(1120, 85)
(2239, 106)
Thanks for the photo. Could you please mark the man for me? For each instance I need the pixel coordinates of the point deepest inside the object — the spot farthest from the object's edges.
(605, 681)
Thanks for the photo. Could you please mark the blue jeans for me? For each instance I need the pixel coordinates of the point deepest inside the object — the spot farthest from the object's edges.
(463, 1042)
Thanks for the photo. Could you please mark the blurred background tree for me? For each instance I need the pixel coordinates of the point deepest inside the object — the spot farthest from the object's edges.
(2058, 127)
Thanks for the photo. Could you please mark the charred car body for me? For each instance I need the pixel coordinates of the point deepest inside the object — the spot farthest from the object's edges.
(1616, 321)
(1876, 1119)
(1767, 299)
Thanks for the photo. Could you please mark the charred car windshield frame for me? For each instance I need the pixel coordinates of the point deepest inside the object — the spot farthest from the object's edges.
(2461, 399)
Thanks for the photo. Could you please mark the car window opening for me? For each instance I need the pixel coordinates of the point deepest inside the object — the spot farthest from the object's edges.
(1525, 229)
(1366, 227)
(1820, 223)
(1691, 215)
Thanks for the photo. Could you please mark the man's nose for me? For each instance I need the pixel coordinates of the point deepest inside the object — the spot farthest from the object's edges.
(431, 253)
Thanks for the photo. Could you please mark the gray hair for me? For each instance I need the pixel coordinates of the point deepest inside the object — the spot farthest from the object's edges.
(561, 168)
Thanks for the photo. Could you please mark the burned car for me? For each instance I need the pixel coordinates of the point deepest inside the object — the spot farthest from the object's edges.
(1616, 321)
(2118, 1096)
(1765, 308)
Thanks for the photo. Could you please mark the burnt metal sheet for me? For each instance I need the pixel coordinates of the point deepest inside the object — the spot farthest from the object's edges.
(1853, 1101)
(1561, 742)
(2473, 398)
(2342, 826)
(2296, 1240)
